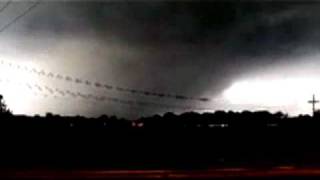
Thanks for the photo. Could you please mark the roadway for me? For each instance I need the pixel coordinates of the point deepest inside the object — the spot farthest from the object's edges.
(219, 173)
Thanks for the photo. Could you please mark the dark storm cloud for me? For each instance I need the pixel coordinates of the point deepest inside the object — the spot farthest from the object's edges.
(184, 47)
(170, 37)
(272, 33)
(153, 23)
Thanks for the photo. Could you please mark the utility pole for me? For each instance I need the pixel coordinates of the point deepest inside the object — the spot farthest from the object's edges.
(313, 102)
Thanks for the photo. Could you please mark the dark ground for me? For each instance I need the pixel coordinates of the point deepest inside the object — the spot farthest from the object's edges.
(76, 148)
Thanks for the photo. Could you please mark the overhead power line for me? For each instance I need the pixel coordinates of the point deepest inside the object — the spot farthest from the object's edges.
(102, 85)
(5, 6)
(46, 91)
(6, 26)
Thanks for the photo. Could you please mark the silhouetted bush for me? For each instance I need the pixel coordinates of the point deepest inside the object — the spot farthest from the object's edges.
(4, 110)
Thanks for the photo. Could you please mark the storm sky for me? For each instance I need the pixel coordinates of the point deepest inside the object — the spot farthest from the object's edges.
(194, 49)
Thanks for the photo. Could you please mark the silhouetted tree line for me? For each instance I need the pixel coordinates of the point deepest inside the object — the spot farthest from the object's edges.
(188, 120)
(217, 119)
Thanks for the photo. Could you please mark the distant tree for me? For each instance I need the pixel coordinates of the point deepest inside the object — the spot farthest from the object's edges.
(280, 115)
(3, 106)
(49, 115)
